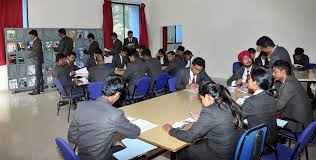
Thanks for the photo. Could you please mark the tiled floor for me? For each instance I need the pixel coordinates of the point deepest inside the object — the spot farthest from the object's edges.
(28, 126)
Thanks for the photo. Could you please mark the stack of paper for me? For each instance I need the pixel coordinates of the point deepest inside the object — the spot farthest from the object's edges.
(83, 80)
(241, 101)
(83, 72)
(142, 124)
(182, 123)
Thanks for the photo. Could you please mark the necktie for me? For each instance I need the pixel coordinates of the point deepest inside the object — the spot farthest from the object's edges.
(248, 76)
(193, 80)
(130, 40)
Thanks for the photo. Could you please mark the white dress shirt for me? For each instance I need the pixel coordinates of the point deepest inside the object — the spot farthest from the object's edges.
(189, 62)
(191, 77)
(258, 91)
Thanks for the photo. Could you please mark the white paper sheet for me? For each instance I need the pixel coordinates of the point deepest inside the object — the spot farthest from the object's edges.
(142, 124)
(84, 81)
(241, 101)
(182, 123)
(83, 72)
(280, 122)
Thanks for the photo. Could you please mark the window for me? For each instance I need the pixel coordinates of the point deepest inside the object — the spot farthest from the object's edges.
(125, 18)
(174, 34)
(24, 14)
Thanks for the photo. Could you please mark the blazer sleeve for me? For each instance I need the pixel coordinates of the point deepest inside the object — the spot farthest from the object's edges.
(199, 128)
(285, 94)
(205, 77)
(61, 46)
(237, 75)
(73, 132)
(248, 109)
(136, 42)
(127, 73)
(123, 126)
(180, 78)
(169, 68)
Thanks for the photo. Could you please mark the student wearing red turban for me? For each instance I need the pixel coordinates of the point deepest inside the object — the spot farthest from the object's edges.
(242, 75)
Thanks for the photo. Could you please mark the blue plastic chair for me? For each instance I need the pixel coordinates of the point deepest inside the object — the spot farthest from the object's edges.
(160, 83)
(251, 143)
(236, 66)
(65, 149)
(95, 90)
(109, 65)
(172, 84)
(64, 95)
(141, 89)
(312, 65)
(285, 152)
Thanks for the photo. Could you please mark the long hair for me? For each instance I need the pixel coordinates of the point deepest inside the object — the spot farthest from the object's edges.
(222, 97)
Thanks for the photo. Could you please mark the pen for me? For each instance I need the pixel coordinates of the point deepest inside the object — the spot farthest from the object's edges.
(192, 115)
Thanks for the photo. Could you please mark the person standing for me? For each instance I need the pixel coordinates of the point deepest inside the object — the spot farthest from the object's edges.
(37, 58)
(66, 44)
(117, 44)
(93, 45)
(130, 42)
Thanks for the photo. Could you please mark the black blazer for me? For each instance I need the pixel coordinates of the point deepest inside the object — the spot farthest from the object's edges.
(238, 74)
(293, 102)
(304, 61)
(37, 52)
(183, 77)
(66, 45)
(279, 53)
(99, 73)
(215, 125)
(174, 66)
(134, 41)
(165, 60)
(261, 109)
(258, 62)
(116, 61)
(117, 47)
(93, 46)
(90, 62)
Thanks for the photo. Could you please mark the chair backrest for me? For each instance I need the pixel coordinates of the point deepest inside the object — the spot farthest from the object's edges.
(311, 65)
(142, 86)
(109, 65)
(172, 84)
(236, 66)
(59, 86)
(251, 143)
(95, 90)
(161, 81)
(67, 152)
(304, 138)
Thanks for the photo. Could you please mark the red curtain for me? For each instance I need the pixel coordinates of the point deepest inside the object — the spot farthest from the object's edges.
(143, 35)
(165, 38)
(107, 23)
(10, 17)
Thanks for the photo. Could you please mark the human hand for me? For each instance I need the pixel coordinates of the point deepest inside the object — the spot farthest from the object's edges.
(167, 127)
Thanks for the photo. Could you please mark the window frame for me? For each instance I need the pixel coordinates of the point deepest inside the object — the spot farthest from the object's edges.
(175, 35)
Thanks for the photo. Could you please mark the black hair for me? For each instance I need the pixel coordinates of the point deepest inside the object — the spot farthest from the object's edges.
(265, 41)
(283, 65)
(262, 54)
(112, 85)
(222, 97)
(299, 51)
(114, 34)
(199, 61)
(181, 48)
(71, 53)
(172, 53)
(33, 32)
(90, 35)
(62, 30)
(130, 32)
(125, 49)
(261, 77)
(132, 52)
(146, 52)
(251, 50)
(59, 56)
(187, 52)
(98, 51)
(162, 51)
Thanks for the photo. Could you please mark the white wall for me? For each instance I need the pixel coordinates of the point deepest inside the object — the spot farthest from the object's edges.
(218, 30)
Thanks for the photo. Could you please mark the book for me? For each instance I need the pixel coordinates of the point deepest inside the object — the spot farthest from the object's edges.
(11, 35)
(11, 47)
(13, 84)
(22, 82)
(31, 70)
(21, 46)
(31, 81)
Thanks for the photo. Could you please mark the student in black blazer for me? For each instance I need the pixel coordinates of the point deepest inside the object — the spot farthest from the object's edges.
(219, 125)
(99, 72)
(262, 60)
(130, 42)
(120, 60)
(175, 64)
(162, 57)
(117, 44)
(242, 75)
(261, 107)
(293, 101)
(301, 58)
(70, 59)
(91, 60)
(93, 45)
(192, 77)
(153, 66)
(66, 44)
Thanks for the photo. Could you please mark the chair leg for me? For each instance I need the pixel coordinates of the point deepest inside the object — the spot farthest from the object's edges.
(58, 105)
(289, 142)
(70, 106)
(306, 152)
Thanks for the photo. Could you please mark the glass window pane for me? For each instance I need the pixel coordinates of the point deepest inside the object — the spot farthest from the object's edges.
(25, 16)
(132, 20)
(118, 20)
(178, 34)
(171, 34)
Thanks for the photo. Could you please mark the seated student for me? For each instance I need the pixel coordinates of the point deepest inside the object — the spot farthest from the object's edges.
(70, 59)
(261, 107)
(120, 60)
(293, 101)
(162, 57)
(99, 72)
(188, 57)
(139, 50)
(134, 70)
(179, 52)
(241, 76)
(175, 64)
(91, 60)
(95, 123)
(301, 58)
(62, 72)
(262, 60)
(219, 125)
(153, 65)
(192, 77)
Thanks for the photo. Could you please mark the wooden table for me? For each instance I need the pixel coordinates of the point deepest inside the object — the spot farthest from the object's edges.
(306, 76)
(169, 108)
(121, 71)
